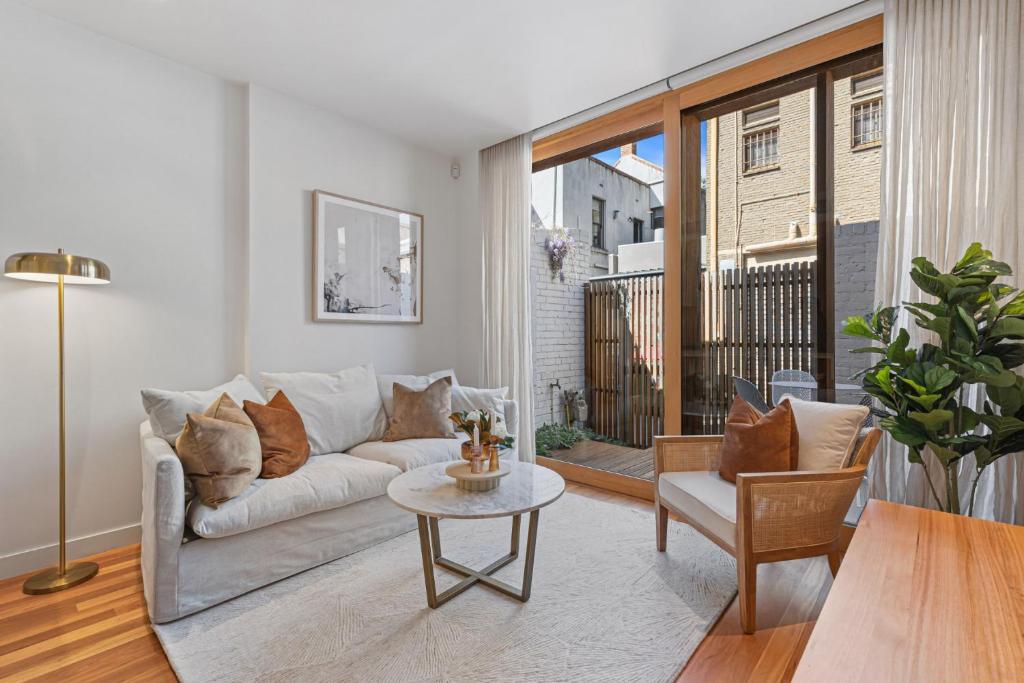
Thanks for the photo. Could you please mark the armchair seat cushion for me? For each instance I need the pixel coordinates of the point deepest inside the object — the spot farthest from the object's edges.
(704, 497)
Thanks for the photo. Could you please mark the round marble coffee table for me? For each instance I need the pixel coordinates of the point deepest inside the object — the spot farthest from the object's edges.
(432, 495)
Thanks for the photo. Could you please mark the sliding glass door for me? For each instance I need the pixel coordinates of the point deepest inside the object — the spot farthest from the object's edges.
(787, 199)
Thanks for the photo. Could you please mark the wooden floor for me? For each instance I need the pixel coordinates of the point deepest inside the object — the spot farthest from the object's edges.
(99, 631)
(631, 462)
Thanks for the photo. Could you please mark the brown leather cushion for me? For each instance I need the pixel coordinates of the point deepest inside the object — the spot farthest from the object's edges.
(759, 442)
(283, 439)
(219, 451)
(422, 414)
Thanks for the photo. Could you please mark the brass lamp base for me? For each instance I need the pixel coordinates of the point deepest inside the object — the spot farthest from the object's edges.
(51, 580)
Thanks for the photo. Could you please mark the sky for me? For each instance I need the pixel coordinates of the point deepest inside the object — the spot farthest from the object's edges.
(653, 149)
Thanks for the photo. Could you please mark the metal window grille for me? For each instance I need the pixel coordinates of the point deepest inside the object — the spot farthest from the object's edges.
(761, 149)
(866, 123)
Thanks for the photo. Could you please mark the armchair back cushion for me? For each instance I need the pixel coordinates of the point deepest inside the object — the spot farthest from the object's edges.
(758, 442)
(828, 432)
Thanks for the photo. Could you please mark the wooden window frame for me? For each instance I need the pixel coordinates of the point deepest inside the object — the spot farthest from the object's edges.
(681, 218)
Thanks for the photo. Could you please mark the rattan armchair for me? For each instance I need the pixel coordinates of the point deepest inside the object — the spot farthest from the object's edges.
(777, 516)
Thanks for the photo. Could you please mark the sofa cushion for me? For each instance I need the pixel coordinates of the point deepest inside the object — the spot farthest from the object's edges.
(283, 440)
(758, 442)
(386, 385)
(422, 414)
(339, 410)
(828, 432)
(166, 409)
(219, 451)
(704, 497)
(411, 453)
(466, 399)
(325, 482)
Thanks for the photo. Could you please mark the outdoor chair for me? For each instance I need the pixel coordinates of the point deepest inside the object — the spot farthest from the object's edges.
(763, 517)
(805, 393)
(749, 392)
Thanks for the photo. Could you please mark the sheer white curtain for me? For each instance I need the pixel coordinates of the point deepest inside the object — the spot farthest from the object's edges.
(952, 174)
(505, 219)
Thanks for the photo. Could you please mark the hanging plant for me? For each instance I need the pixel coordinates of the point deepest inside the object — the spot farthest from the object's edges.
(559, 246)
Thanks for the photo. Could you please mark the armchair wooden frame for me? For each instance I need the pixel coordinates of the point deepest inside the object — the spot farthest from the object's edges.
(779, 515)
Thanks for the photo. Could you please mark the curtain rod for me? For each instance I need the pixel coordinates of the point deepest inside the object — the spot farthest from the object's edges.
(813, 29)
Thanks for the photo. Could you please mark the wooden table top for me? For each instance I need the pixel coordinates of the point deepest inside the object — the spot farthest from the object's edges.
(922, 596)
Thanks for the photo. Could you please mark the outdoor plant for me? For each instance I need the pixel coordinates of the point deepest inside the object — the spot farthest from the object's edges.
(553, 437)
(977, 327)
(559, 245)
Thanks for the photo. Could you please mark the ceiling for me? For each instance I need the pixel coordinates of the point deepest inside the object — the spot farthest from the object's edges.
(451, 75)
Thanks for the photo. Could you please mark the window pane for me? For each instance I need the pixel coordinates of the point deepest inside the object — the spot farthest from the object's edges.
(758, 267)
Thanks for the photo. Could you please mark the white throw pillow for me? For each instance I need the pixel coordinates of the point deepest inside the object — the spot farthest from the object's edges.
(167, 409)
(339, 410)
(386, 384)
(471, 398)
(828, 432)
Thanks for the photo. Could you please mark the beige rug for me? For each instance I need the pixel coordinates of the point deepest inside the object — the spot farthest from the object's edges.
(606, 606)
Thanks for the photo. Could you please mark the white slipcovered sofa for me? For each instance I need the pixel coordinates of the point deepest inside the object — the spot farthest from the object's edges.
(334, 505)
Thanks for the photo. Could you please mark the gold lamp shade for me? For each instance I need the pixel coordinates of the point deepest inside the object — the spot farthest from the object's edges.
(46, 267)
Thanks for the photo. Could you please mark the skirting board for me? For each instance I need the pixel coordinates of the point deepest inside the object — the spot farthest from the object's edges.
(46, 556)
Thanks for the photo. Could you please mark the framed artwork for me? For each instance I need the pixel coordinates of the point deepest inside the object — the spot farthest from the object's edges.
(367, 262)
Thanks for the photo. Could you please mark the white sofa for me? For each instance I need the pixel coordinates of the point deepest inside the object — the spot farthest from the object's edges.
(334, 505)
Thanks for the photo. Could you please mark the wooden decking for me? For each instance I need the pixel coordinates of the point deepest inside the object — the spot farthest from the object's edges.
(631, 462)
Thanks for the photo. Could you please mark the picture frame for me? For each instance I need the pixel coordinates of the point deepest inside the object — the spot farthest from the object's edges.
(367, 261)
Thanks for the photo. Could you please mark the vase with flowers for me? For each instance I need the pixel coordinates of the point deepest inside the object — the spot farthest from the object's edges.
(487, 436)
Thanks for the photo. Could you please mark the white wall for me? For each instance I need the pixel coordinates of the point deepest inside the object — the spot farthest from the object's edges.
(297, 148)
(165, 173)
(113, 153)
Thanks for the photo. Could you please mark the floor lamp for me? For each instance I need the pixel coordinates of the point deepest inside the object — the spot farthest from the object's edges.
(62, 269)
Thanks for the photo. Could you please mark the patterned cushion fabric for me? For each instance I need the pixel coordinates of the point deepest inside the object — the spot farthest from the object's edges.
(756, 442)
(422, 414)
(219, 451)
(282, 437)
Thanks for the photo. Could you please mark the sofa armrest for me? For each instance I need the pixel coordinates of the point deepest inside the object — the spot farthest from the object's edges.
(792, 510)
(163, 524)
(686, 453)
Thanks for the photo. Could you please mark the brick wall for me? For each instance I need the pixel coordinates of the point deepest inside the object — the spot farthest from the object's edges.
(856, 254)
(557, 325)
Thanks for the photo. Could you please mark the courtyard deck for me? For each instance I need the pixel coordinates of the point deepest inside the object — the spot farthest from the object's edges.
(631, 462)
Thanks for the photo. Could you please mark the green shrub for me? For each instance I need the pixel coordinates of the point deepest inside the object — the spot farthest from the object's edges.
(552, 437)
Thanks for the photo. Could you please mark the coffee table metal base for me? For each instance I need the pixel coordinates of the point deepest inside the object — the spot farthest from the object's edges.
(430, 547)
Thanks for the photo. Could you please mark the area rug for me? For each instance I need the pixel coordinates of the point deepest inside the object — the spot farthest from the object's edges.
(605, 606)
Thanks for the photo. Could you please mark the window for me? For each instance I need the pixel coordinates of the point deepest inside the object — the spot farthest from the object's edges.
(866, 84)
(761, 115)
(761, 150)
(638, 229)
(597, 219)
(658, 218)
(866, 124)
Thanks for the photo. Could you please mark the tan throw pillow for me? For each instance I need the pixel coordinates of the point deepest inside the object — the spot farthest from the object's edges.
(756, 442)
(219, 451)
(282, 435)
(422, 414)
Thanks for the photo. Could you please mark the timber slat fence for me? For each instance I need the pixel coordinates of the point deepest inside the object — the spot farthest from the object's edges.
(754, 322)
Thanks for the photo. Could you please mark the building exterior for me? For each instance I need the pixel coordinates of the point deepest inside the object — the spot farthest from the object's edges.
(760, 174)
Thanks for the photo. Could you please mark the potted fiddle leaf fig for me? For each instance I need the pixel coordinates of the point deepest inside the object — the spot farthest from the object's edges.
(977, 339)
